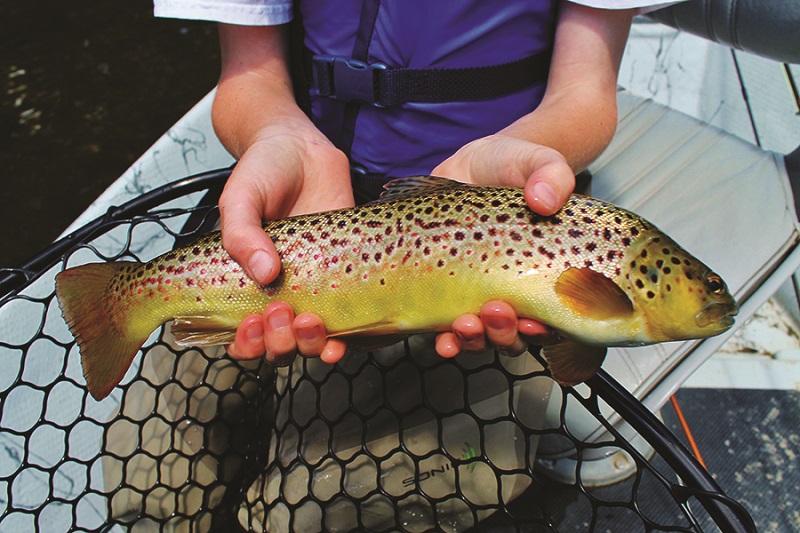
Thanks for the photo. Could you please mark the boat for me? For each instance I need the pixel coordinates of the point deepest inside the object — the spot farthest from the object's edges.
(194, 441)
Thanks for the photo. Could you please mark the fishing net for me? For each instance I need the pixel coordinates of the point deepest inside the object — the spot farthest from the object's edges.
(397, 439)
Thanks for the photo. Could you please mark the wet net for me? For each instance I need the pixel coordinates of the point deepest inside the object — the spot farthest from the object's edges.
(397, 439)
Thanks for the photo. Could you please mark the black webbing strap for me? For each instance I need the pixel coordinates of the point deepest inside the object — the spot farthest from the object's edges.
(350, 80)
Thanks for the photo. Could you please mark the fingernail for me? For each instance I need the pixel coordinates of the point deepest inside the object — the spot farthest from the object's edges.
(497, 322)
(544, 193)
(308, 333)
(260, 265)
(280, 319)
(255, 331)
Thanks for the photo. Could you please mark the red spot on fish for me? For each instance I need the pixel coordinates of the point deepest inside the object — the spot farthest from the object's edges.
(295, 288)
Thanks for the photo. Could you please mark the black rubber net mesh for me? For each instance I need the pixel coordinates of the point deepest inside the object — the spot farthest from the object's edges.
(393, 440)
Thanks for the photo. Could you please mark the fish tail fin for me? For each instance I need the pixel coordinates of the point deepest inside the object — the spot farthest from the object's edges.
(93, 318)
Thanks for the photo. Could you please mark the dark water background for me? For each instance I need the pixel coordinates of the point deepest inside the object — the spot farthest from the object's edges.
(86, 86)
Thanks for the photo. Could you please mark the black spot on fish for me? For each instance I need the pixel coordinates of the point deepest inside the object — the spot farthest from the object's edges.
(544, 251)
(575, 233)
(651, 294)
(440, 263)
(459, 235)
(643, 269)
(667, 270)
(675, 261)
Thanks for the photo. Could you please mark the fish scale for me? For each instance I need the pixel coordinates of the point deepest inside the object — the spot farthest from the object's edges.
(427, 252)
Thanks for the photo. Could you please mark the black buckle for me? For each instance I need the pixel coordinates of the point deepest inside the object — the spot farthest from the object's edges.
(347, 79)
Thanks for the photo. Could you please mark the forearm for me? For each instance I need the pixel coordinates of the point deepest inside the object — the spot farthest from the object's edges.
(578, 114)
(255, 88)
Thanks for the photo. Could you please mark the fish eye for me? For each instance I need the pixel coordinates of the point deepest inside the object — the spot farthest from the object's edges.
(715, 283)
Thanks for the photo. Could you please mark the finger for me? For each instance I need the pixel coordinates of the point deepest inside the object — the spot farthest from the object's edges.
(279, 340)
(469, 333)
(249, 340)
(536, 332)
(447, 345)
(500, 321)
(243, 237)
(310, 334)
(550, 182)
(333, 351)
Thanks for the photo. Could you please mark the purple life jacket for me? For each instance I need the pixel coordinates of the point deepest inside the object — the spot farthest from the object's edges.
(413, 137)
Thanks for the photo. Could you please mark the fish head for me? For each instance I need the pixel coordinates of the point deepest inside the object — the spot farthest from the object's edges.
(679, 296)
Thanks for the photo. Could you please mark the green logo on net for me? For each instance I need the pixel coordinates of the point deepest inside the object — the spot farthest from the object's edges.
(469, 455)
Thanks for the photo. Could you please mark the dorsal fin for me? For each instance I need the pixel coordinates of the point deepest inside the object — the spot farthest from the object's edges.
(593, 295)
(416, 184)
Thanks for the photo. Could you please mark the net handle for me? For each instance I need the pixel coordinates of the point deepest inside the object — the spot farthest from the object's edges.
(728, 514)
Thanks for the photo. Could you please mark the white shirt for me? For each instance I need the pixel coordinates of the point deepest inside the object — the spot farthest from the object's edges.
(272, 12)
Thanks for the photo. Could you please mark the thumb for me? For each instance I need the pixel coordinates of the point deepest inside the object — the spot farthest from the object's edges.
(243, 236)
(549, 184)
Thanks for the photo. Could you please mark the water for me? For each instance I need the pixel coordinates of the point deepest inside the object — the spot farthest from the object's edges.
(85, 88)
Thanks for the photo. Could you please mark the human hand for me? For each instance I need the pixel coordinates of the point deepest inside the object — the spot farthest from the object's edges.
(500, 159)
(290, 169)
(547, 180)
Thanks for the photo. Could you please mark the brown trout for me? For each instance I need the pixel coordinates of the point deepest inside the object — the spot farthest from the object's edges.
(428, 251)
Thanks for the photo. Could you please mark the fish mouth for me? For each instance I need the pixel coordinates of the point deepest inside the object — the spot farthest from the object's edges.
(720, 314)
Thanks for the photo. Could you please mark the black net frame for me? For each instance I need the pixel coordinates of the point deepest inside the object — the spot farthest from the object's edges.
(210, 444)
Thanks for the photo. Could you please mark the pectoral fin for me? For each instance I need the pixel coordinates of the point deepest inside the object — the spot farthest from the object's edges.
(593, 295)
(571, 363)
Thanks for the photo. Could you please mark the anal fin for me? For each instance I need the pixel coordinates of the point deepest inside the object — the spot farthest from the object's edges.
(203, 331)
(571, 363)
